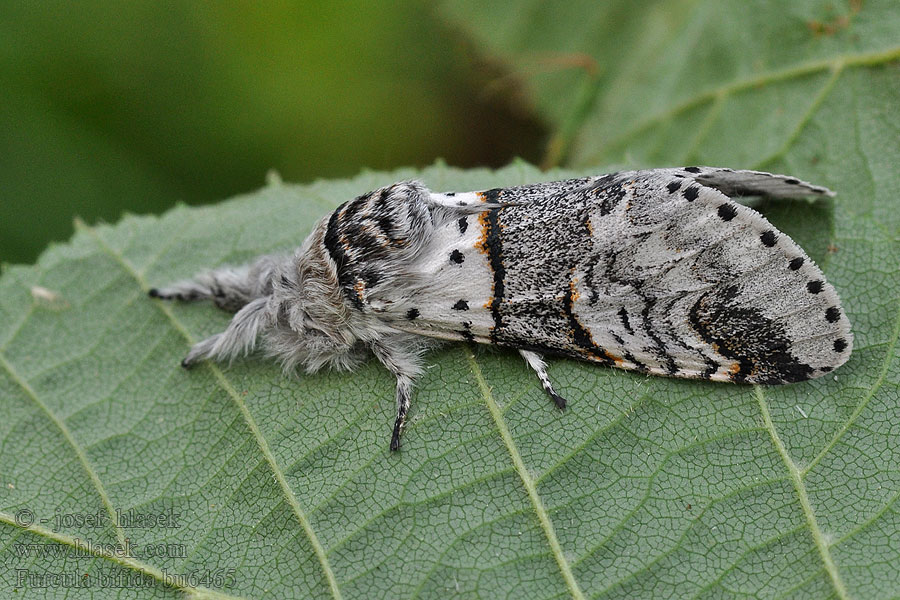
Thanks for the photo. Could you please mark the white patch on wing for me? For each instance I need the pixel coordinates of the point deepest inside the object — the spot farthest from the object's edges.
(457, 274)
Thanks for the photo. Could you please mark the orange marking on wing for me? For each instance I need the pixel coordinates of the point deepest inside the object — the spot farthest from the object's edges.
(572, 287)
(618, 360)
(360, 289)
(482, 246)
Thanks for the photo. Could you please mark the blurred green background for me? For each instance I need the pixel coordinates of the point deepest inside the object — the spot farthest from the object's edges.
(111, 106)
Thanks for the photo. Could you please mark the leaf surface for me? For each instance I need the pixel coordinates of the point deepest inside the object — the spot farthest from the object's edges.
(284, 487)
(643, 485)
(688, 81)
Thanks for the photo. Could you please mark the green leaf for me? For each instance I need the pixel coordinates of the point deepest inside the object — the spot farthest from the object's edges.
(688, 81)
(643, 487)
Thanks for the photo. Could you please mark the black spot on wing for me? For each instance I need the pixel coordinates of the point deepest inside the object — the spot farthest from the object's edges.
(768, 238)
(833, 314)
(461, 305)
(814, 287)
(463, 224)
(726, 211)
(691, 192)
(457, 257)
(412, 314)
(692, 169)
(840, 345)
(796, 263)
(673, 187)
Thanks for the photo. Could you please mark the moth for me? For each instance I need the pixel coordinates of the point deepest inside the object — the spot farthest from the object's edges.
(657, 271)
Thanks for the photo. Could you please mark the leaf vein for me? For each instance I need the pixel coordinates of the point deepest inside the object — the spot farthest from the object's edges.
(681, 538)
(751, 548)
(797, 480)
(527, 481)
(887, 506)
(865, 59)
(836, 71)
(651, 478)
(885, 367)
(225, 384)
(79, 451)
(122, 561)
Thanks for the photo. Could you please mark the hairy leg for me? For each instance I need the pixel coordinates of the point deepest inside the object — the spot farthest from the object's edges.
(238, 339)
(535, 361)
(229, 287)
(401, 356)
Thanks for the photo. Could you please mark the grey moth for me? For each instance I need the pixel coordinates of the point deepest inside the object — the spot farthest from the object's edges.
(657, 271)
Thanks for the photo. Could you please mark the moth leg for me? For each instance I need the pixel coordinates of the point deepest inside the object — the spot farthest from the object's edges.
(238, 339)
(404, 362)
(537, 363)
(229, 287)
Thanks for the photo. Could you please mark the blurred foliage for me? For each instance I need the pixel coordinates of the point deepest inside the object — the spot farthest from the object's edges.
(132, 106)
